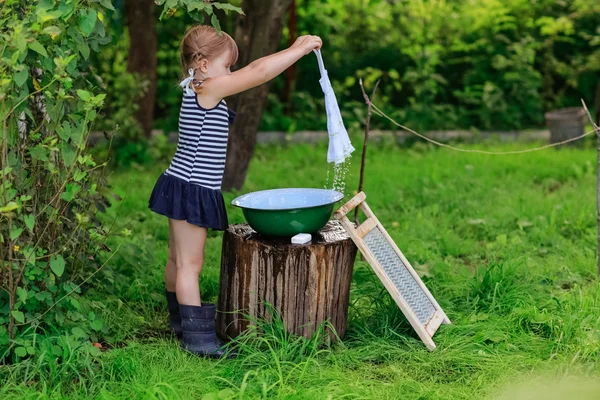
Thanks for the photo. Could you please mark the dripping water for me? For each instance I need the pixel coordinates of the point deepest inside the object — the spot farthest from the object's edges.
(341, 172)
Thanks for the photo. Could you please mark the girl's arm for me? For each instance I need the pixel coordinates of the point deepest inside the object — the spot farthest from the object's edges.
(260, 71)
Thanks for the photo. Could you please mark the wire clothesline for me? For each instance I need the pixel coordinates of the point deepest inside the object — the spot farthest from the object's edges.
(384, 115)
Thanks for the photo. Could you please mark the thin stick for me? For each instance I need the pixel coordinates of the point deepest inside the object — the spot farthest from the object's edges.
(364, 151)
(594, 125)
(12, 285)
(597, 129)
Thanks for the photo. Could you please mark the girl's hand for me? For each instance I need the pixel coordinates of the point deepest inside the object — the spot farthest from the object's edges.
(258, 72)
(308, 43)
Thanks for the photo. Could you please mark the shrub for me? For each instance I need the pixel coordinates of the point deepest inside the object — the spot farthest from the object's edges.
(51, 189)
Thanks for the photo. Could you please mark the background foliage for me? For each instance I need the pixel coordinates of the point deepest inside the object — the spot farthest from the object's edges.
(444, 64)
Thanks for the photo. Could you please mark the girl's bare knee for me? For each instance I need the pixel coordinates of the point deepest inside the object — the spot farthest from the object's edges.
(190, 265)
(172, 257)
(172, 260)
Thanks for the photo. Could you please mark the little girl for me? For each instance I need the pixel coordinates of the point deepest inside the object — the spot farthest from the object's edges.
(189, 191)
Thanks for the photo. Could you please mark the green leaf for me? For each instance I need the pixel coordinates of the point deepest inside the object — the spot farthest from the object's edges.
(107, 4)
(197, 5)
(170, 4)
(39, 152)
(94, 351)
(63, 133)
(11, 206)
(44, 296)
(29, 221)
(502, 239)
(66, 9)
(44, 14)
(57, 350)
(79, 175)
(37, 47)
(227, 6)
(52, 30)
(84, 49)
(87, 21)
(22, 294)
(77, 331)
(215, 22)
(198, 17)
(18, 316)
(75, 303)
(15, 233)
(78, 134)
(10, 194)
(21, 351)
(57, 264)
(21, 77)
(104, 40)
(68, 194)
(226, 394)
(68, 154)
(84, 95)
(57, 111)
(97, 324)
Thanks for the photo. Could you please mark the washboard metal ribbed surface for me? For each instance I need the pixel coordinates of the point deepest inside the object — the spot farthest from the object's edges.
(393, 269)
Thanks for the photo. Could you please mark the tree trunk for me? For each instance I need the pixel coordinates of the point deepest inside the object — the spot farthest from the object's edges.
(307, 285)
(258, 34)
(142, 55)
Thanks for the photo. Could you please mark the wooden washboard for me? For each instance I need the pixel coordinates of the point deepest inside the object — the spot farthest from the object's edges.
(393, 269)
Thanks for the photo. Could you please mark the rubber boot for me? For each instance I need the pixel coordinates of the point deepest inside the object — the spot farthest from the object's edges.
(199, 331)
(174, 314)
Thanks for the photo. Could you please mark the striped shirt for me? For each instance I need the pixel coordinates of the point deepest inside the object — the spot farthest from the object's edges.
(202, 146)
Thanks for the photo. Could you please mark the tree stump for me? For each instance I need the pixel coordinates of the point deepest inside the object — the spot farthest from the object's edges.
(306, 284)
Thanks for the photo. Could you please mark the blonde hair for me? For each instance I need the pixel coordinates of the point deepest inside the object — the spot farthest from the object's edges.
(203, 41)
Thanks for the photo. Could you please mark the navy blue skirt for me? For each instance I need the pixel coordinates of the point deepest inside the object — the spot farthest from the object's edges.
(181, 200)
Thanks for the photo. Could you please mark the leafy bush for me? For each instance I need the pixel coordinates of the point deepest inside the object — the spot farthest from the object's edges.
(51, 188)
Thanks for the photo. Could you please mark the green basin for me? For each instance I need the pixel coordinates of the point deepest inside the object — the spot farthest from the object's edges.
(287, 212)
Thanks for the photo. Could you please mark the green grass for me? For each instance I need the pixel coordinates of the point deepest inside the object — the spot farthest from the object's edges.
(507, 245)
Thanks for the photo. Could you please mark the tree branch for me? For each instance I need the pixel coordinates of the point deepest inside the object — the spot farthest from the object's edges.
(369, 103)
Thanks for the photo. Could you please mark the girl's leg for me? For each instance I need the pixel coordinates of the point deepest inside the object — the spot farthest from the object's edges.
(170, 283)
(189, 243)
(171, 266)
(198, 328)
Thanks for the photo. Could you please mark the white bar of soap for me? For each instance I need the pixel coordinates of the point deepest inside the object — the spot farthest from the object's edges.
(301, 238)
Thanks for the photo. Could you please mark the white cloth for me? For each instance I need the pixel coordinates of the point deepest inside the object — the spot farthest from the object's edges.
(340, 147)
(185, 84)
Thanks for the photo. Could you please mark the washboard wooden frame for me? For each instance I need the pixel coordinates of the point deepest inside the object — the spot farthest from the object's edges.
(393, 269)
